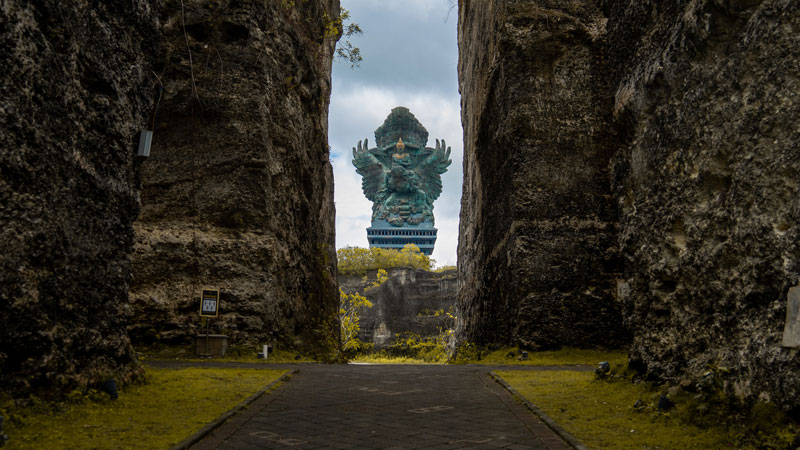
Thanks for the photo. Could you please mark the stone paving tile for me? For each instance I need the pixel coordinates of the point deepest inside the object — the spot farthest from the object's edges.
(385, 407)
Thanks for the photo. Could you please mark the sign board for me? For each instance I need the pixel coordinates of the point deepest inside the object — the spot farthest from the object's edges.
(209, 302)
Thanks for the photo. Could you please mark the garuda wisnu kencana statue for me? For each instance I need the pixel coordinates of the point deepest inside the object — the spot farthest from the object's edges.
(401, 176)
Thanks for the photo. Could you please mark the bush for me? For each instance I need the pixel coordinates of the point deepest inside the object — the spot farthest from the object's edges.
(357, 260)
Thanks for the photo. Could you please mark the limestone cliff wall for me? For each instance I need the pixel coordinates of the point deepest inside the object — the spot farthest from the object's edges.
(238, 191)
(409, 301)
(536, 248)
(706, 98)
(76, 91)
(690, 108)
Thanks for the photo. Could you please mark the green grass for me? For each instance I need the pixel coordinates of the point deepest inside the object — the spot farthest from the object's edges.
(602, 415)
(563, 357)
(378, 358)
(429, 352)
(234, 354)
(168, 407)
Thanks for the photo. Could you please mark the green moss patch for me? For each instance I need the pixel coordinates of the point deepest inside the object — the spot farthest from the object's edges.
(169, 406)
(237, 353)
(406, 348)
(563, 357)
(382, 358)
(606, 415)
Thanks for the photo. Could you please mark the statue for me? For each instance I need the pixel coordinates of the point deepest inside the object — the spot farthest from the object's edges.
(401, 176)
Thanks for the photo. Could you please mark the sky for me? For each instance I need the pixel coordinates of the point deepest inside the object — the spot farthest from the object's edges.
(410, 58)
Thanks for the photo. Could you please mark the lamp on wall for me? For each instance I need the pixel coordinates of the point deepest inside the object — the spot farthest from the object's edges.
(145, 139)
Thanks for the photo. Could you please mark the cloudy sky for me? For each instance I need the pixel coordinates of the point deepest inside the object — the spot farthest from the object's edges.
(410, 57)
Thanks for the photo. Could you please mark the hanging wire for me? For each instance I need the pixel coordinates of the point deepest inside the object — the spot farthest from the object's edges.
(158, 102)
(191, 64)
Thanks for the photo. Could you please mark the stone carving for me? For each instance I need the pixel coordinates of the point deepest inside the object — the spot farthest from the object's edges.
(401, 176)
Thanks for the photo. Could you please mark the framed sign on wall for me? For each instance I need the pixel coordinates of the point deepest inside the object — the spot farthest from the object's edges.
(209, 302)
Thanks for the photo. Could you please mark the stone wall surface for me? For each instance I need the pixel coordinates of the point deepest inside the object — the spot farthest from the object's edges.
(410, 301)
(76, 91)
(238, 191)
(662, 139)
(707, 101)
(536, 248)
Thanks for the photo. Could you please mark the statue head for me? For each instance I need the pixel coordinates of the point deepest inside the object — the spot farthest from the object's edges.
(400, 146)
(401, 124)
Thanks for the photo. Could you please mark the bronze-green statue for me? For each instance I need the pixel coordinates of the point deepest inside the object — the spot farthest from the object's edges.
(401, 176)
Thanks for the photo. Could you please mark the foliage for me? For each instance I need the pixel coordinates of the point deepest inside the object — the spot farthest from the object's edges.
(383, 357)
(167, 408)
(444, 268)
(466, 353)
(408, 348)
(380, 277)
(622, 415)
(562, 357)
(340, 28)
(438, 313)
(357, 260)
(350, 305)
(411, 348)
(346, 50)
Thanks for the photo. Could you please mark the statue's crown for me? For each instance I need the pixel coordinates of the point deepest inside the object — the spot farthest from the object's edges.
(401, 124)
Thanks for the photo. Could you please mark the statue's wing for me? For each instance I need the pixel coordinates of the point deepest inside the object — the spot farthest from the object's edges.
(371, 170)
(432, 167)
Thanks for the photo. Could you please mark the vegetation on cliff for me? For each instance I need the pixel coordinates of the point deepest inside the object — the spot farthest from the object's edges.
(350, 306)
(357, 260)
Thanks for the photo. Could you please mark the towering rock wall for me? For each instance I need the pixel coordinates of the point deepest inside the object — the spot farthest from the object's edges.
(410, 301)
(536, 245)
(697, 102)
(76, 91)
(706, 98)
(238, 191)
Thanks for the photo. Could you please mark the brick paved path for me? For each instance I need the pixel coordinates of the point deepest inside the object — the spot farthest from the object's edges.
(385, 406)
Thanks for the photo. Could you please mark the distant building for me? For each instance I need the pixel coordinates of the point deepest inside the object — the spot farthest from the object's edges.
(382, 234)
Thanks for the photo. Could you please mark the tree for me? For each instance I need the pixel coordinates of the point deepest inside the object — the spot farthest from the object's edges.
(350, 306)
(346, 50)
(357, 260)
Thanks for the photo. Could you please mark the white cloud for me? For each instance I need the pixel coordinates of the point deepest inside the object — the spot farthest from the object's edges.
(446, 242)
(420, 9)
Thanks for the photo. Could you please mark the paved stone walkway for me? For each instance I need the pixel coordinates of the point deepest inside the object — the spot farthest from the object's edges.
(386, 407)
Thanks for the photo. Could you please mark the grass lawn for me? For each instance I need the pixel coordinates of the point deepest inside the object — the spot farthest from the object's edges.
(602, 414)
(378, 358)
(170, 406)
(504, 356)
(187, 353)
(563, 357)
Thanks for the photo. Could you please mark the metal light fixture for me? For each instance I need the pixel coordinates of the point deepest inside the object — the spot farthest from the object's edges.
(145, 139)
